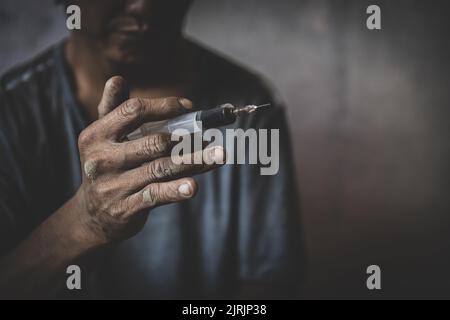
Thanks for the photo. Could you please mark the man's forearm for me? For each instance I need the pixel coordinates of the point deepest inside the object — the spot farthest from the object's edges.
(36, 267)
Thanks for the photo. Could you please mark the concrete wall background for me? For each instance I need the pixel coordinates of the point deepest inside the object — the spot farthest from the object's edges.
(369, 117)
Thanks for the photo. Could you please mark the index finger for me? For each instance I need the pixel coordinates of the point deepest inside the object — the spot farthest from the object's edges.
(131, 114)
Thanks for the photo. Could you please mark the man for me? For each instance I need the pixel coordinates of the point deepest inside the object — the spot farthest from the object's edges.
(74, 190)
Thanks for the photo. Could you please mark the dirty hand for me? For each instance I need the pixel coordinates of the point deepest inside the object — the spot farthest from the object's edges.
(123, 179)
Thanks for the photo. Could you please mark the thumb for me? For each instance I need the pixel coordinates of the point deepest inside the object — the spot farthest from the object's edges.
(115, 93)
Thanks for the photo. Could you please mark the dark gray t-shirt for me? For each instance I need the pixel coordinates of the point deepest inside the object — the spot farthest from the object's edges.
(241, 227)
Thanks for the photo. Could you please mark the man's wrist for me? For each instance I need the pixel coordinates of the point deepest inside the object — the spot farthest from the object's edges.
(83, 230)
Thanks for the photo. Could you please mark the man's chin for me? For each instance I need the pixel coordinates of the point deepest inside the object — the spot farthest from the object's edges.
(124, 58)
(131, 49)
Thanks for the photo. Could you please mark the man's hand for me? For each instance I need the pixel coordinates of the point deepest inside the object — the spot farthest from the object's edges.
(123, 179)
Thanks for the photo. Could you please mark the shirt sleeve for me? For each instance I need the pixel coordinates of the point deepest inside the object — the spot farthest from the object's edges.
(271, 246)
(12, 201)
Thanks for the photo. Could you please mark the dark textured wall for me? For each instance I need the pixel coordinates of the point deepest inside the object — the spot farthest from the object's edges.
(369, 113)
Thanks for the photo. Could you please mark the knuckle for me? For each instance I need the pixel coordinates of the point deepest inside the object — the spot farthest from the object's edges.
(132, 108)
(151, 195)
(151, 172)
(85, 138)
(127, 206)
(155, 144)
(90, 169)
(159, 170)
(121, 209)
(169, 103)
(165, 103)
(171, 191)
(168, 192)
(97, 162)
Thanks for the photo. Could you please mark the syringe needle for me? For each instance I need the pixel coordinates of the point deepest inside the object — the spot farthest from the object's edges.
(249, 109)
(263, 106)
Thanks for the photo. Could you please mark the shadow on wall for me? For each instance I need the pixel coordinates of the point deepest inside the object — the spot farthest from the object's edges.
(368, 113)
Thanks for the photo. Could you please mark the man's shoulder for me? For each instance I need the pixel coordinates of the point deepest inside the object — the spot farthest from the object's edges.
(27, 92)
(29, 74)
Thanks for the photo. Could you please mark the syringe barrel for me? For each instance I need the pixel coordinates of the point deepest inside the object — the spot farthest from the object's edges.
(192, 122)
(186, 121)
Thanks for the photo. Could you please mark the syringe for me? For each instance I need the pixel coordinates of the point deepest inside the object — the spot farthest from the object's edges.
(210, 118)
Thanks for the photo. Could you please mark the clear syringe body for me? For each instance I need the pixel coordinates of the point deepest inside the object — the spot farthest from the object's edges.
(192, 122)
(186, 121)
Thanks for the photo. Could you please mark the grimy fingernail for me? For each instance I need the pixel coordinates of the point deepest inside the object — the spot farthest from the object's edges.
(185, 190)
(185, 103)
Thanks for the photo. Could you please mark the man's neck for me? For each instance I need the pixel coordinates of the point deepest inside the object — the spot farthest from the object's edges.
(90, 71)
